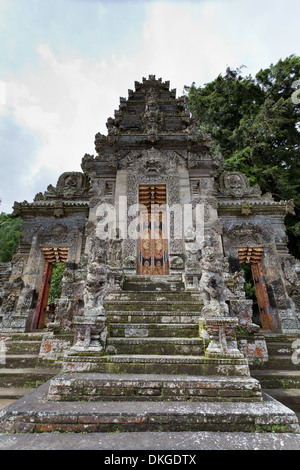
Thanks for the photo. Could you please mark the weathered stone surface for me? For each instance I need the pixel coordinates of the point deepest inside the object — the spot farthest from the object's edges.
(101, 387)
(33, 413)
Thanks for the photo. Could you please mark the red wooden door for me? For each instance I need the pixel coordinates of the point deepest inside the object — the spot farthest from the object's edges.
(262, 297)
(152, 242)
(42, 302)
(253, 256)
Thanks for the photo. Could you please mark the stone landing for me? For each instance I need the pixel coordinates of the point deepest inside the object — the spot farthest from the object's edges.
(35, 413)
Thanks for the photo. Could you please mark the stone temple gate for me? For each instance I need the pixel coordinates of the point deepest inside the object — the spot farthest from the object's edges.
(153, 202)
(153, 233)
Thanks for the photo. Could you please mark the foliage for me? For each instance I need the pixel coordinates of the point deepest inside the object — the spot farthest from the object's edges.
(10, 229)
(254, 123)
(249, 283)
(56, 282)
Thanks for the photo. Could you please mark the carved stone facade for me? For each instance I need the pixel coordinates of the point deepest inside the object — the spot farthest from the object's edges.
(151, 141)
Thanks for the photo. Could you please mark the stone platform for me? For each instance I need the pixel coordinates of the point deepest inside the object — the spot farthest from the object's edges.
(35, 413)
(142, 387)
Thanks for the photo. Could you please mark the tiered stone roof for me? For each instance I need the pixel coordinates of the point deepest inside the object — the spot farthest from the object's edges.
(151, 115)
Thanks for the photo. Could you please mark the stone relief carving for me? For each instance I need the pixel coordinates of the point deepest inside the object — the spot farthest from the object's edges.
(192, 250)
(152, 119)
(247, 234)
(291, 270)
(176, 262)
(114, 255)
(152, 162)
(235, 184)
(69, 185)
(212, 284)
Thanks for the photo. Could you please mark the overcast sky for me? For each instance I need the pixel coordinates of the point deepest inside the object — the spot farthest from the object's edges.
(65, 63)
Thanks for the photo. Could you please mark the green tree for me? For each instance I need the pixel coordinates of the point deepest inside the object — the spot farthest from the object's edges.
(254, 123)
(10, 229)
(56, 282)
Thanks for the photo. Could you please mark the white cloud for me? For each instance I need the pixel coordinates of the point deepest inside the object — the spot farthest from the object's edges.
(67, 99)
(185, 43)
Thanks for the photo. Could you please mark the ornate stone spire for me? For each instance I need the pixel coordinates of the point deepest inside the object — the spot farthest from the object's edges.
(152, 111)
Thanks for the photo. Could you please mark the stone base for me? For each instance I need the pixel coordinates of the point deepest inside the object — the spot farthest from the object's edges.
(254, 348)
(34, 413)
(129, 387)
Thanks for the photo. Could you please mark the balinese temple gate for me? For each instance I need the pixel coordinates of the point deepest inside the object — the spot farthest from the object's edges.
(153, 233)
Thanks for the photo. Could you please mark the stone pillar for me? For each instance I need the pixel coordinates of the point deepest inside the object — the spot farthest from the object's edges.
(221, 332)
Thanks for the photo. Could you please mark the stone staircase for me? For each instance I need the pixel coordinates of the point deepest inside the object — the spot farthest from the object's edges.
(21, 369)
(280, 376)
(154, 376)
(153, 325)
(153, 319)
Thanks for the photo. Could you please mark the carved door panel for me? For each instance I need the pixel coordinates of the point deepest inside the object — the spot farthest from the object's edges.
(51, 255)
(153, 242)
(253, 257)
(262, 297)
(42, 302)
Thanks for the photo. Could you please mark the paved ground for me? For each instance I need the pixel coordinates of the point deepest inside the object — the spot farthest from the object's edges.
(175, 441)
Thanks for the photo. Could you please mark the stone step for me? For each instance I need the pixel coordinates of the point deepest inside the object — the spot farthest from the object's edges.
(160, 346)
(25, 378)
(154, 296)
(274, 337)
(17, 361)
(22, 347)
(27, 361)
(161, 317)
(33, 336)
(279, 379)
(5, 402)
(152, 306)
(288, 397)
(154, 283)
(188, 330)
(154, 364)
(115, 387)
(13, 393)
(280, 348)
(279, 362)
(34, 413)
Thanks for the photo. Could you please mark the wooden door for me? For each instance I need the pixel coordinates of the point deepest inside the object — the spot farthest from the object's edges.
(152, 242)
(262, 297)
(253, 256)
(51, 255)
(40, 313)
